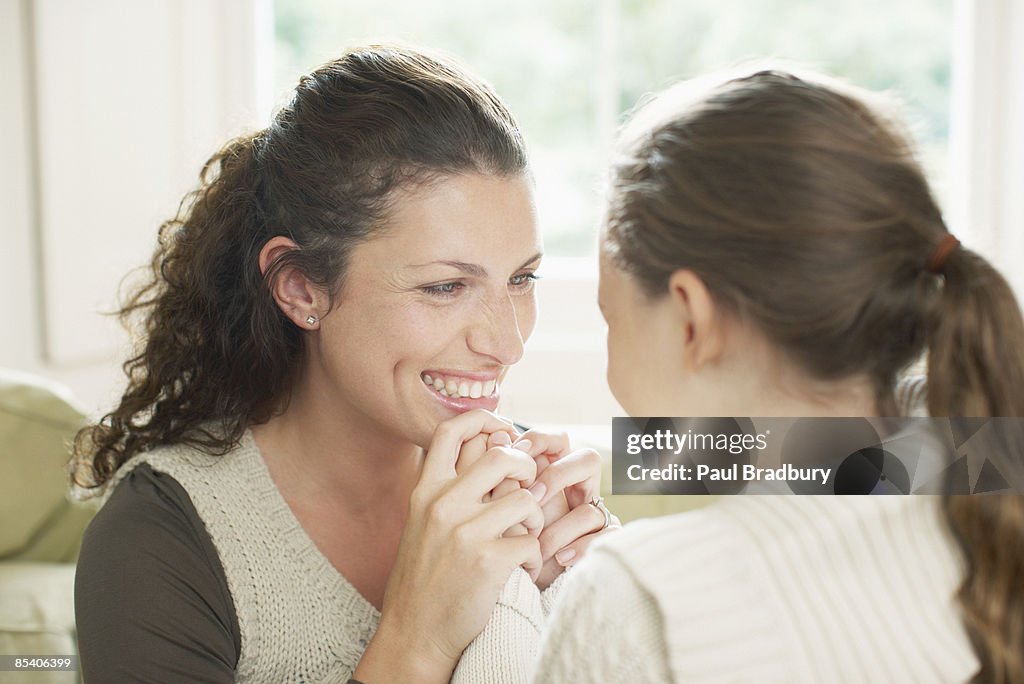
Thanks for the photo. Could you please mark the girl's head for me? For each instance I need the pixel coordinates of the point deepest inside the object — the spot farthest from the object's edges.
(789, 215)
(786, 221)
(381, 229)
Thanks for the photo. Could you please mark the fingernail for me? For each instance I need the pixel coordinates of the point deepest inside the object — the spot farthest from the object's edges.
(500, 439)
(539, 489)
(565, 555)
(523, 445)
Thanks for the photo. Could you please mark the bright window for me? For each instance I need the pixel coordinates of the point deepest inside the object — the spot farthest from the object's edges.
(571, 69)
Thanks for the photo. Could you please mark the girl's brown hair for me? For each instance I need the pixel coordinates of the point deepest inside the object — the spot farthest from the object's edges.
(218, 355)
(803, 210)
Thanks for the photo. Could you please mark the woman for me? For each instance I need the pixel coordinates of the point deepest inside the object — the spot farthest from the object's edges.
(775, 240)
(305, 481)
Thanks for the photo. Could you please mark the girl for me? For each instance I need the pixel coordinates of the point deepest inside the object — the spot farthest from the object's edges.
(773, 249)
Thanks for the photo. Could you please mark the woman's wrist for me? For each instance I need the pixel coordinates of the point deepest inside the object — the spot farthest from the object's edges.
(394, 656)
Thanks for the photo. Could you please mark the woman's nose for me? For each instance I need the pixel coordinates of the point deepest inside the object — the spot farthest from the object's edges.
(497, 333)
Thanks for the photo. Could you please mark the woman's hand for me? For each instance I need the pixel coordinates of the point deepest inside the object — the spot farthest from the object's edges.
(567, 481)
(453, 559)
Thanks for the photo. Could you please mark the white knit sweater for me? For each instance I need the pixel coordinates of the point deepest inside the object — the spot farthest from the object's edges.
(767, 589)
(300, 619)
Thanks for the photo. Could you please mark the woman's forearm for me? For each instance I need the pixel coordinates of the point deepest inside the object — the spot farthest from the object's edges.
(396, 656)
(506, 651)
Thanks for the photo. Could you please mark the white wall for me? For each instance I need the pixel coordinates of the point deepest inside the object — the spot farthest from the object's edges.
(561, 378)
(117, 103)
(987, 133)
(19, 324)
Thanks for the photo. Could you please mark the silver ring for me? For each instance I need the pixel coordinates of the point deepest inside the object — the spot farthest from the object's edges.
(598, 503)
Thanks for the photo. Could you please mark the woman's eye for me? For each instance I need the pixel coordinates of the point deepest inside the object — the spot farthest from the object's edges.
(444, 289)
(524, 281)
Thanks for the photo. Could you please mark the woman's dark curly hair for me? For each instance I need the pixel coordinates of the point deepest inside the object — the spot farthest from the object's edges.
(217, 353)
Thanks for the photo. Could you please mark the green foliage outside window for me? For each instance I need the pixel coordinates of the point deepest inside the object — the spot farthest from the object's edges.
(556, 61)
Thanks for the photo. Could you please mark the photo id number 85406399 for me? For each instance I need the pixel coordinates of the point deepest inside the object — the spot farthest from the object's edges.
(28, 663)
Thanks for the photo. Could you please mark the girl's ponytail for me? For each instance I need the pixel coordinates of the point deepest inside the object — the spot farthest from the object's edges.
(976, 345)
(976, 368)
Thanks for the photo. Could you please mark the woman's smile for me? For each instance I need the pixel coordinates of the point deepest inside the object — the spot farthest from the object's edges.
(463, 391)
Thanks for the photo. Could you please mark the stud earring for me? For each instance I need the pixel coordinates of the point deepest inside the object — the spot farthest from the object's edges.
(311, 319)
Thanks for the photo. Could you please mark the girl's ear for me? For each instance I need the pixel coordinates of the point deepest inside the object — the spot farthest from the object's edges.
(700, 318)
(300, 299)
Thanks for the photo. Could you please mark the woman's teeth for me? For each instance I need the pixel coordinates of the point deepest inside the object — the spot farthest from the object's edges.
(471, 389)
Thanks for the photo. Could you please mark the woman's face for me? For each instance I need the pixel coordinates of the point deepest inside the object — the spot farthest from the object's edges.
(432, 313)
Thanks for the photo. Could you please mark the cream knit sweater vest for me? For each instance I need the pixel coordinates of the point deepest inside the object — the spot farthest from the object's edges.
(300, 619)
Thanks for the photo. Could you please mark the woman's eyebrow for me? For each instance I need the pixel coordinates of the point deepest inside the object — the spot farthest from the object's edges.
(472, 269)
(529, 261)
(468, 269)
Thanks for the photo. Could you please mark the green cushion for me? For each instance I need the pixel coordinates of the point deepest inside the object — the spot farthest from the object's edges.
(38, 420)
(37, 617)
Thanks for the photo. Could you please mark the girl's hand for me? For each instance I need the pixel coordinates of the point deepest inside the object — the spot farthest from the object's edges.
(474, 450)
(567, 482)
(453, 559)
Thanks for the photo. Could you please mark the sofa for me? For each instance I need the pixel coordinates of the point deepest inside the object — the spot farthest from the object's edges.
(41, 526)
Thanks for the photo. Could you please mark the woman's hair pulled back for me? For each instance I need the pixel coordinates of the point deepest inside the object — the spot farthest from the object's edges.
(217, 353)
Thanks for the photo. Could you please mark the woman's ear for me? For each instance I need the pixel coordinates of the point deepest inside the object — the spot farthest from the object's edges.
(300, 299)
(699, 316)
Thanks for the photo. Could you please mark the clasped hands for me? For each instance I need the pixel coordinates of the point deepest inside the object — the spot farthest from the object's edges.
(566, 482)
(488, 500)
